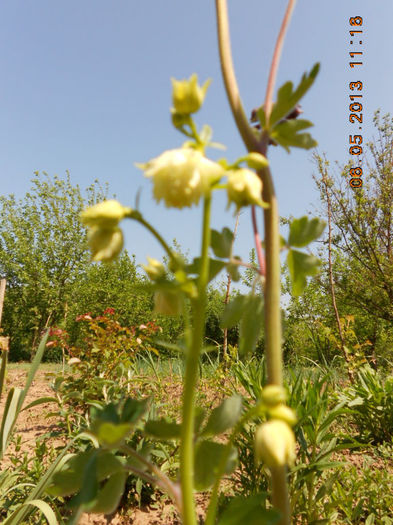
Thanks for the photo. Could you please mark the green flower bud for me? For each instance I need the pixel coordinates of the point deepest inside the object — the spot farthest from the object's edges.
(256, 161)
(187, 96)
(275, 444)
(244, 188)
(155, 269)
(181, 176)
(283, 413)
(105, 244)
(167, 302)
(105, 215)
(273, 395)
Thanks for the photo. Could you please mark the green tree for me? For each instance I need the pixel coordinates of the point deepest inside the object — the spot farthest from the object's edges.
(362, 254)
(42, 255)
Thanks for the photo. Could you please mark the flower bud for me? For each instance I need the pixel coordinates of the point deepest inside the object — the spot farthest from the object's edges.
(273, 395)
(187, 96)
(244, 188)
(105, 215)
(256, 161)
(181, 176)
(283, 413)
(155, 269)
(275, 444)
(167, 302)
(105, 245)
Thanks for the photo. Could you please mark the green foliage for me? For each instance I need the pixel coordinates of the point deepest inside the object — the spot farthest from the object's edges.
(303, 231)
(287, 135)
(245, 310)
(249, 510)
(287, 97)
(370, 399)
(365, 494)
(42, 253)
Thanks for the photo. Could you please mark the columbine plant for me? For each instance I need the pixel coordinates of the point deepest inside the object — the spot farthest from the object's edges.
(181, 178)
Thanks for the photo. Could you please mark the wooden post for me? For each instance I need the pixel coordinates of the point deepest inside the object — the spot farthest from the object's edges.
(2, 293)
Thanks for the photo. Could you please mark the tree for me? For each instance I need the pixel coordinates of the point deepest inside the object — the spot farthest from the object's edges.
(42, 255)
(362, 237)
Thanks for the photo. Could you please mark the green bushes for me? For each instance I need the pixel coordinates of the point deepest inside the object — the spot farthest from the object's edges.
(370, 399)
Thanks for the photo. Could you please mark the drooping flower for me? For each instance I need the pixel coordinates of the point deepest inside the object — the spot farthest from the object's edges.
(187, 95)
(275, 444)
(105, 215)
(244, 188)
(155, 269)
(181, 176)
(167, 302)
(105, 244)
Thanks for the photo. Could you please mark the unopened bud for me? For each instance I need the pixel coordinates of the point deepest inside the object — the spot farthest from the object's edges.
(275, 444)
(187, 95)
(273, 395)
(283, 413)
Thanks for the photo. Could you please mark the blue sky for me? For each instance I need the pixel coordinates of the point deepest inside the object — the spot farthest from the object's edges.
(86, 88)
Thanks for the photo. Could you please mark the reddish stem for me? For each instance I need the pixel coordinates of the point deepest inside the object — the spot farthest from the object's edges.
(258, 243)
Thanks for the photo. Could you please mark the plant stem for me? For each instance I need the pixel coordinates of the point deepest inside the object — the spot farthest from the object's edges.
(192, 360)
(273, 350)
(137, 216)
(276, 59)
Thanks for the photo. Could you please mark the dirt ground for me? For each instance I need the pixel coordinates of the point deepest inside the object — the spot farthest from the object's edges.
(32, 423)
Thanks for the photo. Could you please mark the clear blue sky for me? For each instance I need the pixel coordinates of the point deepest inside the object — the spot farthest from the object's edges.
(86, 87)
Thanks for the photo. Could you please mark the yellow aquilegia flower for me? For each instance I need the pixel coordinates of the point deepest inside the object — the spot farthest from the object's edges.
(187, 95)
(181, 176)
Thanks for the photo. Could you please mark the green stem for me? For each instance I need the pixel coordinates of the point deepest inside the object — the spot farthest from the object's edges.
(137, 216)
(212, 508)
(192, 360)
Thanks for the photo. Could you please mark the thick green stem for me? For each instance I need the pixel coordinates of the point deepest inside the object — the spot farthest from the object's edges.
(192, 360)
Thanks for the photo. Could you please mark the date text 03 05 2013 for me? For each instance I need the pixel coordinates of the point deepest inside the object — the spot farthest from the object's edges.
(356, 101)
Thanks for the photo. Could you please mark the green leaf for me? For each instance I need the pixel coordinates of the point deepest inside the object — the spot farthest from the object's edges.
(233, 270)
(133, 410)
(111, 435)
(163, 429)
(287, 98)
(208, 455)
(251, 324)
(224, 416)
(109, 495)
(303, 231)
(215, 267)
(300, 266)
(89, 484)
(249, 510)
(233, 312)
(286, 134)
(221, 243)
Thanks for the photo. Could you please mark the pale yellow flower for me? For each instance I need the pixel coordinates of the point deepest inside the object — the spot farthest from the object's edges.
(181, 176)
(105, 244)
(187, 95)
(155, 269)
(244, 188)
(167, 302)
(106, 214)
(275, 444)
